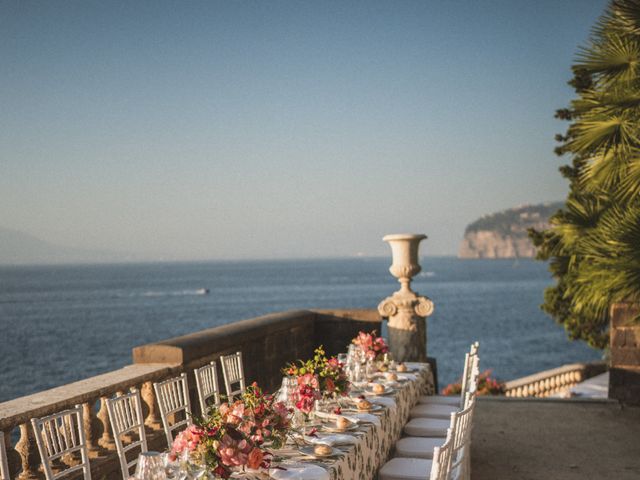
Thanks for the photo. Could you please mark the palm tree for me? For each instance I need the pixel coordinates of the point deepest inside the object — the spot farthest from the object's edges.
(594, 242)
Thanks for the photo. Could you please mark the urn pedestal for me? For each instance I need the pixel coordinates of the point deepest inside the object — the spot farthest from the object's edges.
(405, 310)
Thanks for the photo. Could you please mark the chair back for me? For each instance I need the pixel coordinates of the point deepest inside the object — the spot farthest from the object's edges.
(441, 463)
(465, 379)
(208, 389)
(474, 374)
(175, 406)
(467, 373)
(4, 466)
(125, 416)
(233, 373)
(462, 424)
(60, 438)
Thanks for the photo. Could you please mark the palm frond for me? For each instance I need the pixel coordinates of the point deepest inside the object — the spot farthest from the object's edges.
(626, 14)
(614, 59)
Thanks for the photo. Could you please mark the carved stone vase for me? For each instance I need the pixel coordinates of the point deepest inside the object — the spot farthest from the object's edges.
(405, 310)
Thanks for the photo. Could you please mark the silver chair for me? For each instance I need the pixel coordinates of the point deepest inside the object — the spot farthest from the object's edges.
(233, 373)
(125, 416)
(460, 425)
(59, 437)
(438, 468)
(207, 385)
(4, 466)
(444, 411)
(174, 403)
(466, 373)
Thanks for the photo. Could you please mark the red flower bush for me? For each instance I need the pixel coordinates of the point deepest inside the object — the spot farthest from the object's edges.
(486, 386)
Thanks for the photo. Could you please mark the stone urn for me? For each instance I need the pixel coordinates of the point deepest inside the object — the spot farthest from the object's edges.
(405, 310)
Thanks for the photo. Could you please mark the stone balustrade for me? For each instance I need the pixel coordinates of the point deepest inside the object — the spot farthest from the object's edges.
(548, 382)
(267, 343)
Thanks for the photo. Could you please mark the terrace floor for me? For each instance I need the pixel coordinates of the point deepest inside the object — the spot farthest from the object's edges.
(555, 439)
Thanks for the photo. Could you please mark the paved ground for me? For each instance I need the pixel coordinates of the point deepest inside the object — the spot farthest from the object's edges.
(555, 439)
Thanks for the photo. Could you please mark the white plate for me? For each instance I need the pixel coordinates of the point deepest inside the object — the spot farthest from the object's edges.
(310, 452)
(374, 408)
(331, 427)
(387, 391)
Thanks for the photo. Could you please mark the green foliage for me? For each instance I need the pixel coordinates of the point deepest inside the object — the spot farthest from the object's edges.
(594, 243)
(504, 222)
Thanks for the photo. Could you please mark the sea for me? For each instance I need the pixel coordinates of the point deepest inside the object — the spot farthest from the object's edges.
(59, 324)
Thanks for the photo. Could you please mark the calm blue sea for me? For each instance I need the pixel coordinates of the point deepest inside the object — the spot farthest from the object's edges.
(64, 323)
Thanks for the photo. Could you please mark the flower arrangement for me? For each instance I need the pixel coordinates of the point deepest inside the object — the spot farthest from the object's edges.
(373, 346)
(317, 378)
(233, 435)
(486, 386)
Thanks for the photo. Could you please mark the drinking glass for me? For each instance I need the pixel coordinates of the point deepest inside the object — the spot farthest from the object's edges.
(343, 358)
(370, 369)
(351, 352)
(283, 394)
(189, 469)
(290, 387)
(357, 373)
(171, 467)
(150, 467)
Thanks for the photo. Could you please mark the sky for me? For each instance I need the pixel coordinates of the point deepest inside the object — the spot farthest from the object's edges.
(239, 130)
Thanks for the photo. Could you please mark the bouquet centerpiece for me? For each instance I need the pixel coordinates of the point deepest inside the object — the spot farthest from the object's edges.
(233, 435)
(373, 346)
(318, 378)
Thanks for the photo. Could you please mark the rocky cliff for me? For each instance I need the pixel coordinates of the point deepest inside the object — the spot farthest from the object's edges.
(504, 234)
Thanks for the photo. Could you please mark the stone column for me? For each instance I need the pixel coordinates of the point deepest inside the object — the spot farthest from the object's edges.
(624, 370)
(405, 309)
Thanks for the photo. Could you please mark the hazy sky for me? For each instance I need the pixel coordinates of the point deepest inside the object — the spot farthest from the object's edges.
(265, 129)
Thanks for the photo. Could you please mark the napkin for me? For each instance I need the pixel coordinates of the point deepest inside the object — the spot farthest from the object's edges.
(408, 376)
(331, 440)
(364, 417)
(299, 472)
(386, 401)
(418, 365)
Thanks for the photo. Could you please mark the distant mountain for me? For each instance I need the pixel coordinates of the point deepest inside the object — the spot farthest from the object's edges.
(18, 248)
(504, 234)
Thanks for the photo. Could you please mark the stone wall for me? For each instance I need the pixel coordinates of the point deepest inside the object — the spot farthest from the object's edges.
(267, 343)
(334, 329)
(624, 373)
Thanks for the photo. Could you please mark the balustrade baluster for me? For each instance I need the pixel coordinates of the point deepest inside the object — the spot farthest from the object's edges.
(148, 395)
(28, 451)
(90, 428)
(106, 440)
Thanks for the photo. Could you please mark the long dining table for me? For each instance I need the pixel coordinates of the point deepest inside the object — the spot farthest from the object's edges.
(361, 452)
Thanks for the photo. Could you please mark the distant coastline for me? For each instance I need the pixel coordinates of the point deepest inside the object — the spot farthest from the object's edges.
(504, 234)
